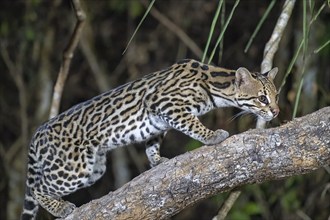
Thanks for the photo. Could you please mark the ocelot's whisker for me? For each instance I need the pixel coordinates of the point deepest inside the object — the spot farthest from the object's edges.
(242, 113)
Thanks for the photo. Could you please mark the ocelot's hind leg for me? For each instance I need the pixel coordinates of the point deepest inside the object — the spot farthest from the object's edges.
(99, 167)
(152, 150)
(55, 205)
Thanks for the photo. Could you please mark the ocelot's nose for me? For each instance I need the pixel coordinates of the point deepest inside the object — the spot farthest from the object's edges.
(275, 111)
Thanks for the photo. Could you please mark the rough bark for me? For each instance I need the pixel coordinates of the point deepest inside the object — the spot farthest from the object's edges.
(255, 156)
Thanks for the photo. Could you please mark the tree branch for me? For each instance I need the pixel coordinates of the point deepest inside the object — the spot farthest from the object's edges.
(255, 156)
(273, 43)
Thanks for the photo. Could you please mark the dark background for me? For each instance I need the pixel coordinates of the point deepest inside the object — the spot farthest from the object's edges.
(34, 33)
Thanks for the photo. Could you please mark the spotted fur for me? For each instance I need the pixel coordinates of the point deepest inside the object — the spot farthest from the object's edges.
(69, 151)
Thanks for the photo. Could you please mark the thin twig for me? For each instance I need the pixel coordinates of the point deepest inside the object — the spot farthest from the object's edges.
(16, 72)
(215, 18)
(88, 51)
(322, 47)
(273, 43)
(230, 201)
(139, 25)
(302, 42)
(45, 90)
(269, 8)
(176, 30)
(223, 30)
(67, 57)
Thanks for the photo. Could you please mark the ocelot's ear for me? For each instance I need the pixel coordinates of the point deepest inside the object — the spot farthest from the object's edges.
(243, 76)
(271, 73)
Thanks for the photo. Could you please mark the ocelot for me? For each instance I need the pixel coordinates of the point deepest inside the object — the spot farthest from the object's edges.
(69, 151)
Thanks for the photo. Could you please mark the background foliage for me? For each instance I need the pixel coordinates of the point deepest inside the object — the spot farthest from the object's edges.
(34, 33)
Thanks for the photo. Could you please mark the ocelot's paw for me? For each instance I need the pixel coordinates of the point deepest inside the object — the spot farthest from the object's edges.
(219, 136)
(161, 160)
(66, 209)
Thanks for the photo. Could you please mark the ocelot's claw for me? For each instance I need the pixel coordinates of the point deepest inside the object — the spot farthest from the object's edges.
(161, 160)
(219, 136)
(66, 209)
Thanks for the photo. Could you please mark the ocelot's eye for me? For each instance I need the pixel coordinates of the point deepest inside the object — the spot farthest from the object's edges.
(263, 99)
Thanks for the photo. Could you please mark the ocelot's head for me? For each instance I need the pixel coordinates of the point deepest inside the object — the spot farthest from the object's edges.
(256, 93)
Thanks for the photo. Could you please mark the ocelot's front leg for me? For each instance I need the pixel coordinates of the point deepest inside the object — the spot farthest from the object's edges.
(190, 125)
(152, 150)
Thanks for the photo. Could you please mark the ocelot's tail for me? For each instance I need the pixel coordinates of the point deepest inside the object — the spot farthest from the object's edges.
(30, 206)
